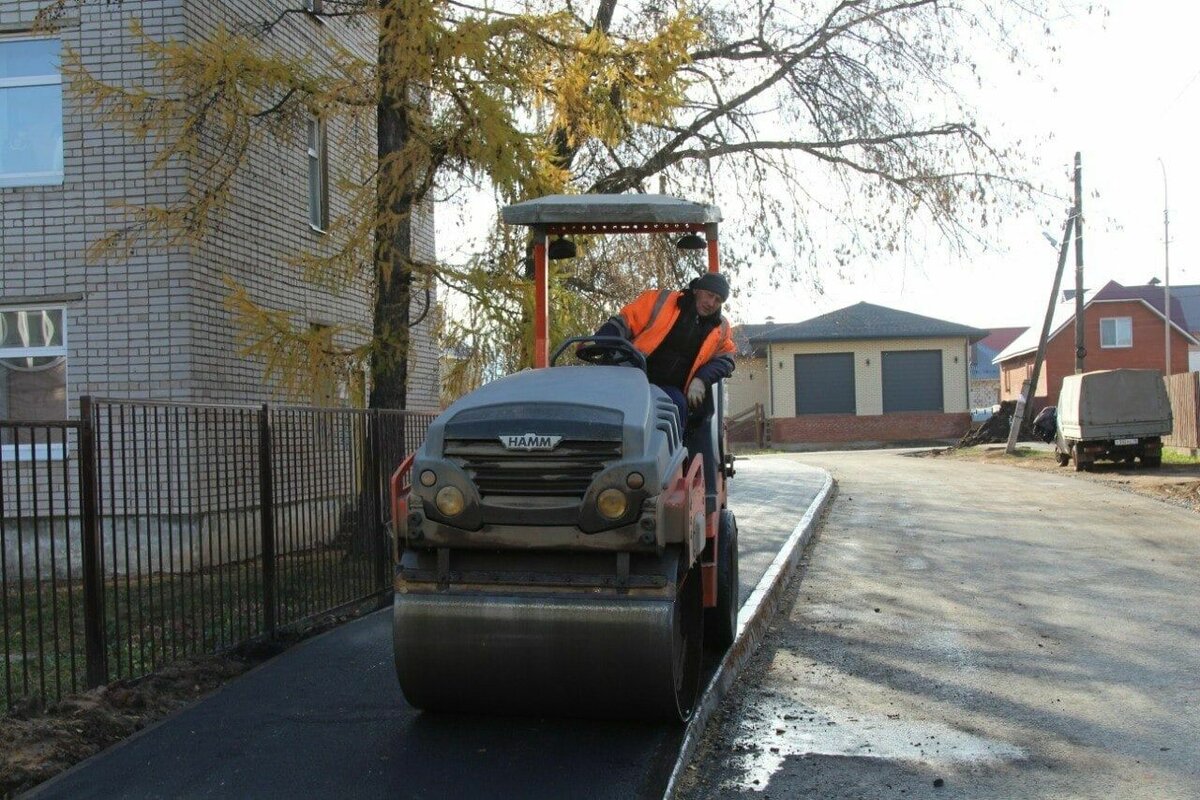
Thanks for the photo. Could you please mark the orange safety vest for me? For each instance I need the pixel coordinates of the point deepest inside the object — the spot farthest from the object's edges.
(650, 318)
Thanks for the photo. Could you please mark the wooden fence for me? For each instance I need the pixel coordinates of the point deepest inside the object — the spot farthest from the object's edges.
(1184, 391)
(748, 427)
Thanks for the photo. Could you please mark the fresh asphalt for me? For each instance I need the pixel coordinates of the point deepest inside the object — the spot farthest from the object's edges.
(976, 632)
(327, 717)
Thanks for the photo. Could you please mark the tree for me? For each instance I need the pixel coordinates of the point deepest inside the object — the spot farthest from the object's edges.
(453, 88)
(838, 126)
(841, 114)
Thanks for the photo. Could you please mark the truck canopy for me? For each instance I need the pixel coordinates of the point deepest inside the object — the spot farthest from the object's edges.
(1114, 403)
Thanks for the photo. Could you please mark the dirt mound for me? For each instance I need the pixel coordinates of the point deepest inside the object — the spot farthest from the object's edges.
(995, 428)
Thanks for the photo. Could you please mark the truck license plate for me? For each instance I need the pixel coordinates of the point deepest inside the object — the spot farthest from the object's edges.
(1125, 441)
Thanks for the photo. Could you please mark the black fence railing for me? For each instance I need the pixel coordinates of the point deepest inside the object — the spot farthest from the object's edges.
(146, 532)
(41, 616)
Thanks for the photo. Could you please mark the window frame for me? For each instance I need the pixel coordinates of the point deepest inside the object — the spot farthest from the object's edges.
(318, 162)
(17, 180)
(1116, 345)
(38, 452)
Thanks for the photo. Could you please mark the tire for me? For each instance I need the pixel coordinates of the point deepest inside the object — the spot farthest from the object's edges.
(1152, 462)
(720, 621)
(1062, 458)
(687, 649)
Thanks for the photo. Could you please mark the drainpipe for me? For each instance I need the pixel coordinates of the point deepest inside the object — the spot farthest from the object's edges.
(770, 382)
(967, 362)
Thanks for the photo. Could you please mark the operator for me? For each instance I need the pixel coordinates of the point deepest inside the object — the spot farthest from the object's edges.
(685, 339)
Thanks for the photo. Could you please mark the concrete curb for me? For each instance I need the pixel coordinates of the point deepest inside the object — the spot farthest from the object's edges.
(753, 618)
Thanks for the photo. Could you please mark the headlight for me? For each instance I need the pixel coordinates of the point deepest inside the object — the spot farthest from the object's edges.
(428, 477)
(611, 504)
(449, 500)
(635, 480)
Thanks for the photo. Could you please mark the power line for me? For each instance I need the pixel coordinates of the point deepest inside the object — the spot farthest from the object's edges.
(1182, 91)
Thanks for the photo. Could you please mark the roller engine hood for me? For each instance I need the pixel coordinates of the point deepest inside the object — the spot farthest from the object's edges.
(575, 403)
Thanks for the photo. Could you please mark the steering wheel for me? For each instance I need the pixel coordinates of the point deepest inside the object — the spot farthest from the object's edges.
(606, 351)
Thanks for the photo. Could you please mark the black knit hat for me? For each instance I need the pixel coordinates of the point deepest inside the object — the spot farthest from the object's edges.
(713, 282)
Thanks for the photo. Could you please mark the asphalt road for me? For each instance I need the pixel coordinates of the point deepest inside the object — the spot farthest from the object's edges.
(964, 630)
(327, 718)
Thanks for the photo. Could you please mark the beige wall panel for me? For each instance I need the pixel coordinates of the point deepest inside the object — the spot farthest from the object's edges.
(747, 385)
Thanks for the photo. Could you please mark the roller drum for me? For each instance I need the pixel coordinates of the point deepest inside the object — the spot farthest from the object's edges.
(566, 654)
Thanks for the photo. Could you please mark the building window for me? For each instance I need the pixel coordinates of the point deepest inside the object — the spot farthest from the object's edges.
(1116, 332)
(33, 374)
(318, 171)
(313, 6)
(31, 138)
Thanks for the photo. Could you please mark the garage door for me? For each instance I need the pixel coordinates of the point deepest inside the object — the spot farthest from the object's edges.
(912, 380)
(825, 383)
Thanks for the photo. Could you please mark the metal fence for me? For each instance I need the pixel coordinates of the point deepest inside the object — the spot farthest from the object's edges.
(143, 533)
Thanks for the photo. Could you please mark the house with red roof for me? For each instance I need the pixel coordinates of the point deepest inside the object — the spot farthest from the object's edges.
(1124, 326)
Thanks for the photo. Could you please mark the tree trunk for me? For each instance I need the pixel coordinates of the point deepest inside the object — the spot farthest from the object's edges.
(393, 238)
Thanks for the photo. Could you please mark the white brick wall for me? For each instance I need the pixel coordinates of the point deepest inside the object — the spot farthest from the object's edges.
(424, 363)
(155, 325)
(868, 378)
(985, 392)
(127, 321)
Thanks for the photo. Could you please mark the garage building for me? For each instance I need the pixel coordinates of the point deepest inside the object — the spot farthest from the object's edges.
(862, 374)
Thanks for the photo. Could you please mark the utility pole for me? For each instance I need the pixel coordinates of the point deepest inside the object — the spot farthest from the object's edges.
(1080, 350)
(1029, 387)
(1167, 271)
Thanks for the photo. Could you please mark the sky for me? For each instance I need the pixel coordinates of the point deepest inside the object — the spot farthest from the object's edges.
(1123, 88)
(1125, 92)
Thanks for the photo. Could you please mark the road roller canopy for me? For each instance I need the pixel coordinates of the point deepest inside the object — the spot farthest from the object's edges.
(598, 214)
(614, 213)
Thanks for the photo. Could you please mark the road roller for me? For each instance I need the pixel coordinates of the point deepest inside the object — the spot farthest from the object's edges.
(563, 546)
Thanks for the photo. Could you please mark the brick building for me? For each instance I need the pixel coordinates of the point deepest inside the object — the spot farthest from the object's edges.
(862, 374)
(1186, 299)
(155, 325)
(1124, 326)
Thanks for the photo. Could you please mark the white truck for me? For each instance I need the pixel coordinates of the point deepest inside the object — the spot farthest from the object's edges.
(1112, 415)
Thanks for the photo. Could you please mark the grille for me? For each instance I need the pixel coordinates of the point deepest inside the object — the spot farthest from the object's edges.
(565, 471)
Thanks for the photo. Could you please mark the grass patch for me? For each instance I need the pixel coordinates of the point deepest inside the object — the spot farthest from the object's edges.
(1028, 452)
(1172, 456)
(157, 619)
(995, 452)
